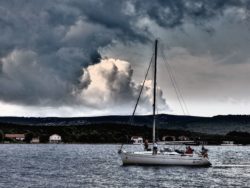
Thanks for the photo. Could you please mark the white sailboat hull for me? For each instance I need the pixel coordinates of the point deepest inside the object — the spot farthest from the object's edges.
(167, 158)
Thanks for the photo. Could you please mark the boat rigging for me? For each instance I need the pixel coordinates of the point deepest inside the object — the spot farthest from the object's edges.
(167, 156)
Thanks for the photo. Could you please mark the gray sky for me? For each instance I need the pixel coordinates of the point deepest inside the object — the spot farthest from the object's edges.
(81, 58)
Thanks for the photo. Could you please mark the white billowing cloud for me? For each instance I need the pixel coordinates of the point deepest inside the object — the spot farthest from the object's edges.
(106, 79)
(160, 100)
(109, 83)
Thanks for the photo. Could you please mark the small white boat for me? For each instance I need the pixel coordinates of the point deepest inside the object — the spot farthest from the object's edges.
(162, 157)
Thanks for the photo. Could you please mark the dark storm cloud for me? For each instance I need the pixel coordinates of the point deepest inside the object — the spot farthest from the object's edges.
(111, 14)
(172, 13)
(44, 45)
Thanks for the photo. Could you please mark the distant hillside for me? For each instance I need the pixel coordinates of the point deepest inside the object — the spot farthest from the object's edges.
(209, 125)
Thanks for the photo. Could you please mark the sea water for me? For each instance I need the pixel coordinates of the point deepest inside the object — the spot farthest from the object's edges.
(91, 165)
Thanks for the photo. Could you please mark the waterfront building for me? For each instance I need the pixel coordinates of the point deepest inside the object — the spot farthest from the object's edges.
(18, 137)
(136, 140)
(55, 138)
(35, 140)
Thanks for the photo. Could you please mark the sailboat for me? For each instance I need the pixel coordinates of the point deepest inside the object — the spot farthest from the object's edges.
(165, 156)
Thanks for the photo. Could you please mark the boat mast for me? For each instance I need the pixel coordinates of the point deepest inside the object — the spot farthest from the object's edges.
(154, 95)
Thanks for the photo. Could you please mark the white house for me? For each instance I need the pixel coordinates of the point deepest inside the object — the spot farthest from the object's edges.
(35, 140)
(55, 138)
(136, 140)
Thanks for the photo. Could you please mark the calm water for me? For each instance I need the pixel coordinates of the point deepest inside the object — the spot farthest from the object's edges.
(99, 166)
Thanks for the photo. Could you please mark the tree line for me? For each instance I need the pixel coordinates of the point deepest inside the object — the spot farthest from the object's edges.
(111, 133)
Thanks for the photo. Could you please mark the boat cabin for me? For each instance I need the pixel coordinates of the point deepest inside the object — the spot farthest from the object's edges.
(227, 142)
(168, 138)
(183, 138)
